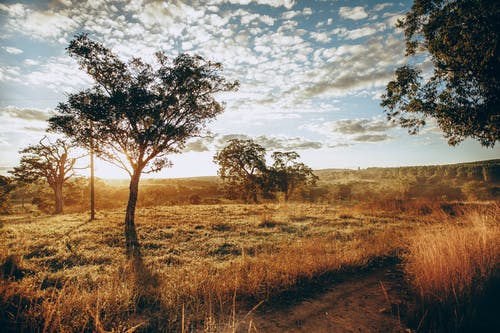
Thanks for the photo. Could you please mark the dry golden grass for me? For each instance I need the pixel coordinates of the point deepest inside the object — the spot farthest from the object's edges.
(453, 265)
(73, 275)
(200, 265)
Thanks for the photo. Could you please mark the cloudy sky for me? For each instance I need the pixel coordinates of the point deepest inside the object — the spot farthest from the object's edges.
(311, 75)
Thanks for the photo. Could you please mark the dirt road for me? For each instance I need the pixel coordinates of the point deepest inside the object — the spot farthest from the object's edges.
(364, 302)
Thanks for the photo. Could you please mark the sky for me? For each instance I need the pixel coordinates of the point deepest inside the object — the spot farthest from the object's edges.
(311, 75)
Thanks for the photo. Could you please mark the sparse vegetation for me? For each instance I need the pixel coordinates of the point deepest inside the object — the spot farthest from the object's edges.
(198, 257)
(202, 265)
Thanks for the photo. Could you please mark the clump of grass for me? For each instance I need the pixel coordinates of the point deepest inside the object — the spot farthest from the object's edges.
(452, 269)
(266, 220)
(11, 268)
(222, 227)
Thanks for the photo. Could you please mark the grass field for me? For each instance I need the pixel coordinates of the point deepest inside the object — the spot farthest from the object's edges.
(202, 266)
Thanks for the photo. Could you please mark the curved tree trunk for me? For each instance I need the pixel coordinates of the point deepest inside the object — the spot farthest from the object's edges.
(58, 196)
(131, 238)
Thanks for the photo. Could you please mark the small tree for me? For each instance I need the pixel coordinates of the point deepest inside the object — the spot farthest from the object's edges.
(242, 165)
(6, 186)
(137, 114)
(48, 161)
(462, 95)
(288, 174)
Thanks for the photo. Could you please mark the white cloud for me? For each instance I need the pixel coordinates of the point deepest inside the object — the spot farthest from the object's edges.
(12, 50)
(348, 69)
(361, 32)
(322, 37)
(30, 62)
(393, 19)
(61, 74)
(351, 131)
(270, 142)
(24, 114)
(38, 24)
(307, 11)
(382, 6)
(10, 73)
(273, 3)
(353, 13)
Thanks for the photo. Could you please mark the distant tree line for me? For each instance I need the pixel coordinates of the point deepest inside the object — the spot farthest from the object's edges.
(487, 171)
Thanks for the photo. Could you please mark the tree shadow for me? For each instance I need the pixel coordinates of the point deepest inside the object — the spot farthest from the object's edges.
(147, 294)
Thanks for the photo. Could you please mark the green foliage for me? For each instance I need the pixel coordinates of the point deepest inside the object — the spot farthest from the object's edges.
(137, 113)
(462, 95)
(242, 166)
(287, 174)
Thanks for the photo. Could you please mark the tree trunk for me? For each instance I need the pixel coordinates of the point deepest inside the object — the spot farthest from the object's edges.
(58, 195)
(131, 239)
(92, 192)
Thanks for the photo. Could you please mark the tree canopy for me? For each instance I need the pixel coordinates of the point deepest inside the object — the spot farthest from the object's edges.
(241, 165)
(461, 40)
(138, 113)
(50, 161)
(288, 174)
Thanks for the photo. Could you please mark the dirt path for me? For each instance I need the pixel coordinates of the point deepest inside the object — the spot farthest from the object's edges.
(364, 302)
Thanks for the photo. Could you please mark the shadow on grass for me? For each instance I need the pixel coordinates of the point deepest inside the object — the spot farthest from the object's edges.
(147, 295)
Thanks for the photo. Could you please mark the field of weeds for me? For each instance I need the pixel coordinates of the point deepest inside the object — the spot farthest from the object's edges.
(203, 267)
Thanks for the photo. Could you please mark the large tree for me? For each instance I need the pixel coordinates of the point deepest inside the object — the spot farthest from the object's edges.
(242, 165)
(50, 161)
(461, 40)
(288, 174)
(138, 113)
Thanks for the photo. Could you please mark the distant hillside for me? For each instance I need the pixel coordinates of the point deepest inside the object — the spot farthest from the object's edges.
(494, 162)
(488, 171)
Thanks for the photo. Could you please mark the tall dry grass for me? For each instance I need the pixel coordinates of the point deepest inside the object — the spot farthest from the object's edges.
(199, 269)
(455, 269)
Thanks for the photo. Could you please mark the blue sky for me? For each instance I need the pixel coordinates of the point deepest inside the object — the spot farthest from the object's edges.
(311, 75)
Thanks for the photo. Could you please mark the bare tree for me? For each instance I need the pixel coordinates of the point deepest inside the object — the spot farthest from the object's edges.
(47, 161)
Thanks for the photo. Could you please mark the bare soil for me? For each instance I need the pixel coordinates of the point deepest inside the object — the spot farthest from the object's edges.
(374, 300)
